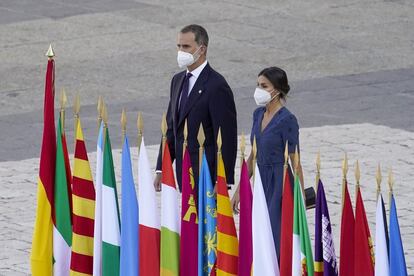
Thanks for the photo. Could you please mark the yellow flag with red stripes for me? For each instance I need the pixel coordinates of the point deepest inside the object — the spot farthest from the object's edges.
(83, 196)
(227, 242)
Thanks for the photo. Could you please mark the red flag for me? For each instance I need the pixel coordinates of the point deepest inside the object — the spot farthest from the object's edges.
(189, 221)
(363, 251)
(286, 228)
(347, 237)
(42, 244)
(246, 242)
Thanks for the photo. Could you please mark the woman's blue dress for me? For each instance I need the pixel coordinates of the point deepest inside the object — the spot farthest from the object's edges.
(270, 159)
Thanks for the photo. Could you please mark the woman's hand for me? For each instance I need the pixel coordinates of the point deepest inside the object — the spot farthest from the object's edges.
(235, 201)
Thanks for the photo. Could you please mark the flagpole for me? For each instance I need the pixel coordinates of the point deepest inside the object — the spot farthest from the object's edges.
(318, 170)
(140, 126)
(201, 138)
(297, 171)
(105, 128)
(391, 186)
(357, 178)
(219, 144)
(344, 172)
(164, 133)
(285, 166)
(378, 177)
(63, 100)
(185, 137)
(99, 109)
(242, 148)
(123, 126)
(254, 151)
(76, 108)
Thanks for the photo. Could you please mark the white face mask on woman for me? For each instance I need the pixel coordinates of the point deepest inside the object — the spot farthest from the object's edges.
(185, 59)
(263, 97)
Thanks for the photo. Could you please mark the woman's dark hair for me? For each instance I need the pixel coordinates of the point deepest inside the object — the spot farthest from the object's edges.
(278, 78)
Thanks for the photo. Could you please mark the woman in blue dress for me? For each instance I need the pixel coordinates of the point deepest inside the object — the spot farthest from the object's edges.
(273, 126)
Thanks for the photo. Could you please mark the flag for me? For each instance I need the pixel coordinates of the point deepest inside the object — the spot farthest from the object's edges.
(83, 196)
(264, 251)
(62, 230)
(189, 221)
(149, 218)
(363, 254)
(42, 243)
(97, 229)
(325, 257)
(170, 219)
(381, 240)
(129, 217)
(111, 236)
(286, 227)
(302, 259)
(207, 227)
(227, 242)
(346, 261)
(397, 259)
(245, 228)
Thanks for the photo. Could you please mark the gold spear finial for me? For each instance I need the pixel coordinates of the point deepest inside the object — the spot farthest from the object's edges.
(357, 177)
(242, 145)
(254, 151)
(318, 169)
(99, 109)
(296, 160)
(185, 131)
(201, 138)
(50, 54)
(140, 126)
(391, 182)
(163, 132)
(123, 124)
(105, 115)
(76, 109)
(285, 166)
(344, 173)
(378, 177)
(63, 100)
(219, 140)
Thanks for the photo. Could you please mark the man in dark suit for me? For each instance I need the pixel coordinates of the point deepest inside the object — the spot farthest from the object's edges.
(200, 95)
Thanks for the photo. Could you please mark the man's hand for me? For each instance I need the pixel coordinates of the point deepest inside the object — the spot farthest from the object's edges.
(157, 182)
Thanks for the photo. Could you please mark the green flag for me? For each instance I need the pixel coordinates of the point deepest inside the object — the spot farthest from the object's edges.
(111, 238)
(302, 259)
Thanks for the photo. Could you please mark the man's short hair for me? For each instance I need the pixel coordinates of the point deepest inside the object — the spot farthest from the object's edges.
(201, 36)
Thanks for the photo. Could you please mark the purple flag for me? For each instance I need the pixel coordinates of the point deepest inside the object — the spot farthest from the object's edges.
(325, 258)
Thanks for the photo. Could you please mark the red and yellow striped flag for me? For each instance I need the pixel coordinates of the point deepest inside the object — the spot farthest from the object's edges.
(42, 243)
(227, 243)
(83, 198)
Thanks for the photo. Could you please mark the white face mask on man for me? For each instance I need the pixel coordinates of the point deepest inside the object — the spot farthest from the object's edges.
(263, 97)
(185, 59)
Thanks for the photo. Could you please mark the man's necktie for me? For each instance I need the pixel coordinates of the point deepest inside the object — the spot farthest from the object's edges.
(184, 94)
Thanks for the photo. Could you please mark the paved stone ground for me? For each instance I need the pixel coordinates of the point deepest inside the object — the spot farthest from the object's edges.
(351, 66)
(368, 143)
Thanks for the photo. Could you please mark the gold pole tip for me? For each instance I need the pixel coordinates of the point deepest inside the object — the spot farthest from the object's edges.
(296, 158)
(76, 104)
(105, 114)
(185, 130)
(318, 162)
(345, 165)
(123, 119)
(391, 180)
(50, 53)
(242, 143)
(201, 136)
(63, 99)
(219, 140)
(140, 122)
(254, 147)
(357, 172)
(378, 177)
(286, 152)
(164, 125)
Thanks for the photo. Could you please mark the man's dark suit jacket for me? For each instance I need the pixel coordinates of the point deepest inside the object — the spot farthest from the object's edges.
(210, 102)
